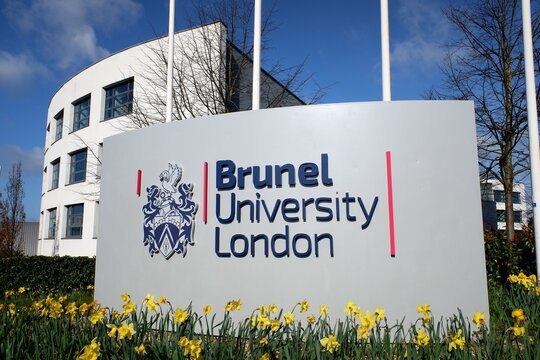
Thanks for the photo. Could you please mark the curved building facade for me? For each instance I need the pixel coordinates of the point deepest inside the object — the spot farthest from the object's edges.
(100, 101)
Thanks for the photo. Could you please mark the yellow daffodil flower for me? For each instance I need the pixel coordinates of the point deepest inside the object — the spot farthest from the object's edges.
(479, 319)
(422, 338)
(180, 315)
(323, 310)
(162, 300)
(273, 308)
(22, 289)
(275, 325)
(140, 350)
(126, 331)
(379, 314)
(518, 315)
(150, 303)
(193, 349)
(330, 344)
(91, 351)
(457, 341)
(206, 310)
(265, 357)
(113, 330)
(288, 318)
(304, 306)
(311, 319)
(518, 330)
(263, 341)
(125, 297)
(183, 342)
(129, 307)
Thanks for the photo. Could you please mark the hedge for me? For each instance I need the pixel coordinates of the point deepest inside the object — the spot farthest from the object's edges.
(46, 274)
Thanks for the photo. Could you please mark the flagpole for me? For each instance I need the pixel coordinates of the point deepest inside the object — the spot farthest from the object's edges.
(385, 50)
(532, 118)
(255, 101)
(170, 61)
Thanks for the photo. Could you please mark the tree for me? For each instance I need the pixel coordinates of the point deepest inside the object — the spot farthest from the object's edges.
(212, 69)
(486, 65)
(12, 215)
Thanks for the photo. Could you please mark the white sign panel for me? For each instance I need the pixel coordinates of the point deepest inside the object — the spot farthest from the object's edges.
(378, 203)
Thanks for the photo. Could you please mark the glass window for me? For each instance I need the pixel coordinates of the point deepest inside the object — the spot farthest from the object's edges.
(52, 224)
(74, 220)
(516, 197)
(78, 167)
(55, 173)
(81, 114)
(59, 125)
(501, 216)
(498, 195)
(119, 100)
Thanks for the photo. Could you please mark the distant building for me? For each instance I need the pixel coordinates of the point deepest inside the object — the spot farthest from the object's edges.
(493, 207)
(28, 239)
(96, 103)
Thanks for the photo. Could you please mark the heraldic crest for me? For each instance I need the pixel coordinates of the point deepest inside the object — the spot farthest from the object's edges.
(169, 214)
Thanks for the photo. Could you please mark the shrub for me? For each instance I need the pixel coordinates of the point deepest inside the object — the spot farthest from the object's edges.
(46, 274)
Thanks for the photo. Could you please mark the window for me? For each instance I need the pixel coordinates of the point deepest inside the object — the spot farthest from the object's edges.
(499, 196)
(55, 173)
(52, 224)
(118, 99)
(78, 167)
(516, 197)
(59, 125)
(501, 216)
(74, 220)
(81, 116)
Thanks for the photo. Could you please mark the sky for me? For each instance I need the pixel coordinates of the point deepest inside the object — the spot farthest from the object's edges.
(45, 42)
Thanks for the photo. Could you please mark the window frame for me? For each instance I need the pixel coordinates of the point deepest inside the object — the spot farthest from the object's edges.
(58, 130)
(51, 232)
(73, 164)
(55, 174)
(70, 217)
(77, 112)
(109, 110)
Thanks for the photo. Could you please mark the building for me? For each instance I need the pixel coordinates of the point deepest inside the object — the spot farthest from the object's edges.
(125, 91)
(493, 213)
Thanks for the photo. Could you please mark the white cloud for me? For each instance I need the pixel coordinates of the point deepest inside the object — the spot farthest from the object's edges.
(16, 71)
(66, 29)
(31, 159)
(426, 29)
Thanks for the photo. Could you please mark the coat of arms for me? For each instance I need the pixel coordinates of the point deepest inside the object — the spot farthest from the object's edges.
(169, 214)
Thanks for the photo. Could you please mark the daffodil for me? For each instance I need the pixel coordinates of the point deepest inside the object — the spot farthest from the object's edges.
(193, 349)
(162, 300)
(330, 344)
(351, 308)
(96, 316)
(519, 315)
(90, 287)
(129, 307)
(479, 319)
(275, 324)
(265, 357)
(379, 314)
(91, 351)
(457, 341)
(518, 330)
(140, 350)
(113, 330)
(150, 303)
(233, 305)
(323, 310)
(183, 342)
(125, 297)
(304, 306)
(422, 338)
(273, 308)
(180, 315)
(263, 341)
(126, 331)
(288, 318)
(311, 319)
(206, 309)
(22, 289)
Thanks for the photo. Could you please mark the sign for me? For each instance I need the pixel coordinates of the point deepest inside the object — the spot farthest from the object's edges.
(378, 203)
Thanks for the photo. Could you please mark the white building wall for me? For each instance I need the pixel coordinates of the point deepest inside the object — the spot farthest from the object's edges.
(90, 81)
(138, 62)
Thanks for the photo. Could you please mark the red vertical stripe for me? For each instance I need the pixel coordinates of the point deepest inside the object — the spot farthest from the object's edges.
(205, 193)
(390, 203)
(139, 176)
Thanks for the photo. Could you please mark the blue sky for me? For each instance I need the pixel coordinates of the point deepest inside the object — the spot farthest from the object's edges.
(44, 42)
